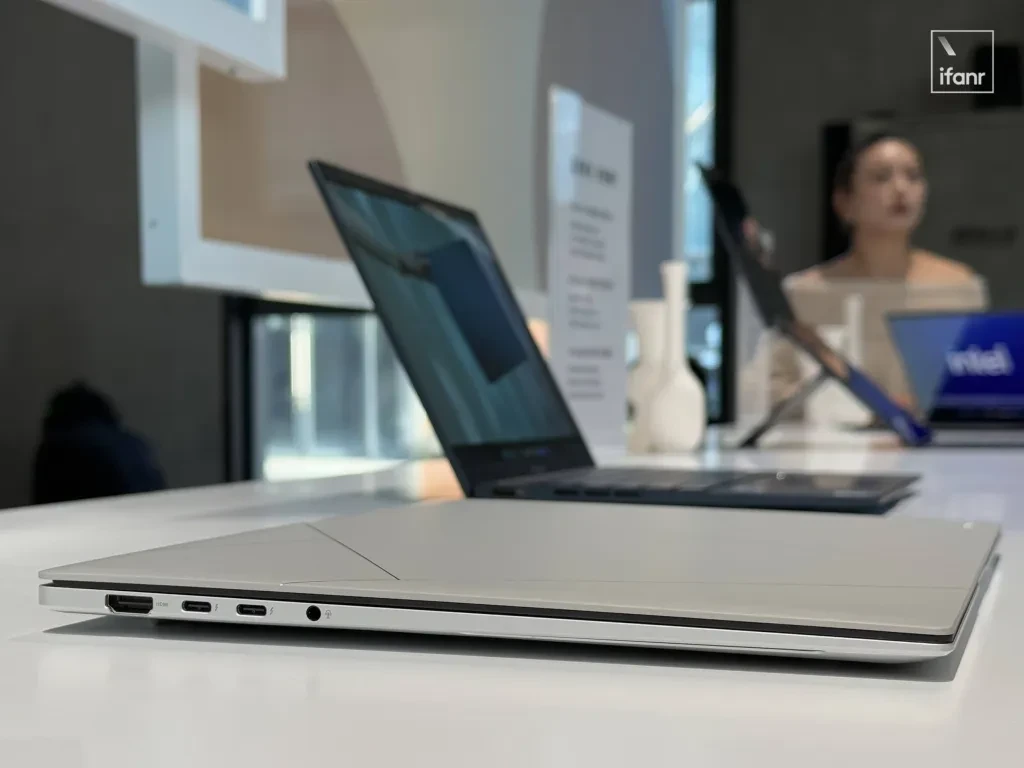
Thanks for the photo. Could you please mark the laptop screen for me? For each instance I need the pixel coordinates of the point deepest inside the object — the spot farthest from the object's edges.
(457, 328)
(963, 366)
(765, 283)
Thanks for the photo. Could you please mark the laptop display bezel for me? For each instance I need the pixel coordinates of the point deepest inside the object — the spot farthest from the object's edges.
(473, 464)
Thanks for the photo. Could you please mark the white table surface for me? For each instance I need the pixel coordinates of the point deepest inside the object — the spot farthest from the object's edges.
(119, 692)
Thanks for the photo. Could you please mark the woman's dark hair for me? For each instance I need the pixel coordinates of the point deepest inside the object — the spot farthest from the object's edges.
(848, 164)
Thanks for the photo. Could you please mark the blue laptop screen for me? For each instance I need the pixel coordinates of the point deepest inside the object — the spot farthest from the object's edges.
(859, 384)
(964, 367)
(463, 341)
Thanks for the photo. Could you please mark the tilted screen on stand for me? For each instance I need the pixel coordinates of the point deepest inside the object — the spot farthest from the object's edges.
(765, 283)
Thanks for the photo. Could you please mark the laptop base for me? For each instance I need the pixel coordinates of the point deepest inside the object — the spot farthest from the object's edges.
(839, 586)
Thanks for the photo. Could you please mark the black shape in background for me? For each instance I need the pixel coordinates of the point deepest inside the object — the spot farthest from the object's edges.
(1007, 76)
(835, 239)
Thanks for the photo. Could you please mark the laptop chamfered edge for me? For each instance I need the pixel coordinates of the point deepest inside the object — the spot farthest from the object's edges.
(474, 465)
(372, 538)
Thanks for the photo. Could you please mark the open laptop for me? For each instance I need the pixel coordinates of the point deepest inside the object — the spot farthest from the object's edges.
(839, 586)
(490, 396)
(963, 370)
(770, 298)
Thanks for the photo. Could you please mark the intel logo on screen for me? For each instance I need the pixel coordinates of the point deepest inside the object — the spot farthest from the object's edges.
(975, 361)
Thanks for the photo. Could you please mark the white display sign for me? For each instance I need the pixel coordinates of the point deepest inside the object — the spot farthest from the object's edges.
(589, 263)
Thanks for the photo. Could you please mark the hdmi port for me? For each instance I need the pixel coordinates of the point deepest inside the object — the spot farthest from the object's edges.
(252, 610)
(196, 606)
(129, 604)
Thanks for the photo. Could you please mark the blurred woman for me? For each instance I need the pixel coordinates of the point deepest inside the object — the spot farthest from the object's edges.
(880, 194)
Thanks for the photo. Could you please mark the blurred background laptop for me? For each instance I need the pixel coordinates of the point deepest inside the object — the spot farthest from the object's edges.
(851, 315)
(963, 371)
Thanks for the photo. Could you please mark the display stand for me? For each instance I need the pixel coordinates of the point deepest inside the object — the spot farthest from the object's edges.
(782, 408)
(853, 310)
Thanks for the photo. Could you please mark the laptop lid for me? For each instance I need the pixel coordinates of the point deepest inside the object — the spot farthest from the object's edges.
(963, 366)
(731, 211)
(457, 328)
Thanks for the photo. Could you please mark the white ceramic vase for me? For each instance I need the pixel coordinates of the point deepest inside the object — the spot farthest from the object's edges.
(832, 404)
(648, 317)
(677, 417)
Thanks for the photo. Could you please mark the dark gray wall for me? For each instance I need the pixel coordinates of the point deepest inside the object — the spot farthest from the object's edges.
(802, 63)
(71, 302)
(616, 54)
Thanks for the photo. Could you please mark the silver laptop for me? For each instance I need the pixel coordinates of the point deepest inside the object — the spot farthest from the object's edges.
(793, 584)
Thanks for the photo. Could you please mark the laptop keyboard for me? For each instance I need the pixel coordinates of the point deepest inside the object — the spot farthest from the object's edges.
(782, 490)
(625, 482)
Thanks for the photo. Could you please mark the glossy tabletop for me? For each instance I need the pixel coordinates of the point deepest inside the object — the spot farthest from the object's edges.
(112, 692)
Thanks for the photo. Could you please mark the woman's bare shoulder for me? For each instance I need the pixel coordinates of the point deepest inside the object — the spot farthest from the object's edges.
(934, 268)
(820, 274)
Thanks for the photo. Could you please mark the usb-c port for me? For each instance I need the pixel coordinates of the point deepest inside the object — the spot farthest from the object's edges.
(196, 606)
(252, 610)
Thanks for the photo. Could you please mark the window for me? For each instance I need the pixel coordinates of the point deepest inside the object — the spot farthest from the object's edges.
(704, 345)
(709, 339)
(699, 126)
(329, 396)
(245, 6)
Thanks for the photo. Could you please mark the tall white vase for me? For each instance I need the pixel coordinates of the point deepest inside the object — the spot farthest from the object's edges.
(649, 323)
(677, 417)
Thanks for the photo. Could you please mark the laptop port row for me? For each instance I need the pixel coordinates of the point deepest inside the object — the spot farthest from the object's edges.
(145, 605)
(203, 606)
